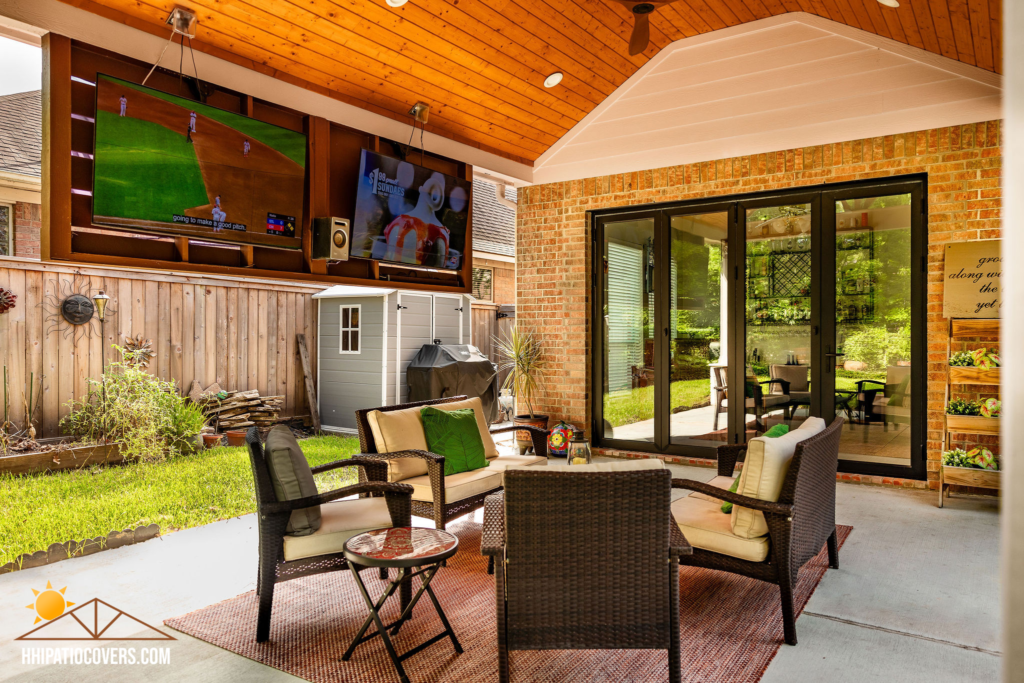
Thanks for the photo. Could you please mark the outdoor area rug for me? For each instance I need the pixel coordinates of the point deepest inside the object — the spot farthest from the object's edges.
(731, 628)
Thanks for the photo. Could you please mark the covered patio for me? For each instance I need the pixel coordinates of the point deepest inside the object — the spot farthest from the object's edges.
(763, 371)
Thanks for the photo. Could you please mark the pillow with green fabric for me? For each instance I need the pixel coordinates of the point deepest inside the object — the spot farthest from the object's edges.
(455, 434)
(727, 507)
(775, 432)
(900, 394)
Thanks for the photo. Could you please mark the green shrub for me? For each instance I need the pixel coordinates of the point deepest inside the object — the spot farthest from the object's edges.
(877, 346)
(142, 413)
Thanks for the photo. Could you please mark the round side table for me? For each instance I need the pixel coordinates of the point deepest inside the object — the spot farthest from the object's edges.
(404, 549)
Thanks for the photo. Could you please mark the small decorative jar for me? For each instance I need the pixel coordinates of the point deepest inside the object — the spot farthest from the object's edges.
(579, 449)
(558, 439)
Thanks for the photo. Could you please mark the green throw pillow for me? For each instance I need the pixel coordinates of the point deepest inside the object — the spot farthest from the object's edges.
(454, 434)
(727, 507)
(900, 394)
(775, 432)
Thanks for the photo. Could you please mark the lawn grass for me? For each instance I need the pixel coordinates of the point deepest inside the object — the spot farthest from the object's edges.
(636, 405)
(179, 493)
(144, 171)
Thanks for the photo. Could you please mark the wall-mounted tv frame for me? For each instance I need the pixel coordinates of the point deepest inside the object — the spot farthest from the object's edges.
(169, 165)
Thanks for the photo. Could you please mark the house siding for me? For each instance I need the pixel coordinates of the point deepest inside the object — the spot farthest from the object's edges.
(553, 275)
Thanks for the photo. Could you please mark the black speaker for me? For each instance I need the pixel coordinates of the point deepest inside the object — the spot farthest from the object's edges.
(331, 239)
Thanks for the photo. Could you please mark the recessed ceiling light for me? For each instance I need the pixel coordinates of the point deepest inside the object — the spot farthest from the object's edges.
(889, 3)
(553, 80)
(397, 3)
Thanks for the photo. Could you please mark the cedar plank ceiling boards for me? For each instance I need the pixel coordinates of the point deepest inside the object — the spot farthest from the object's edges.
(481, 63)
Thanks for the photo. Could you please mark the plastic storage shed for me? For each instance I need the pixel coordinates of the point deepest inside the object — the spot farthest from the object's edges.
(445, 370)
(366, 337)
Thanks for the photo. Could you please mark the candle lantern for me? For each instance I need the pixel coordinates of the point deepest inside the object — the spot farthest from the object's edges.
(579, 449)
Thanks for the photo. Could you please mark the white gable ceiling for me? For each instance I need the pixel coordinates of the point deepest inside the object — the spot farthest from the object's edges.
(793, 80)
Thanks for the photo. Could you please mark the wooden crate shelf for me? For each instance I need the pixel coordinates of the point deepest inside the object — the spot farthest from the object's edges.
(967, 328)
(971, 476)
(968, 375)
(972, 424)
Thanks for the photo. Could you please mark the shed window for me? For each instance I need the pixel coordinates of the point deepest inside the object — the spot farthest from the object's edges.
(483, 281)
(349, 330)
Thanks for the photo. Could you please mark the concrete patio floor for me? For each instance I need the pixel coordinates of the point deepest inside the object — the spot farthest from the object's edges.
(916, 597)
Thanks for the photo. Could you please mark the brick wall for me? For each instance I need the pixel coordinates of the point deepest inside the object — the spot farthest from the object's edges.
(28, 220)
(963, 164)
(504, 280)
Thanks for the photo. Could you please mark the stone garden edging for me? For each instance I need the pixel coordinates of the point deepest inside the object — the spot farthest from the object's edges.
(64, 551)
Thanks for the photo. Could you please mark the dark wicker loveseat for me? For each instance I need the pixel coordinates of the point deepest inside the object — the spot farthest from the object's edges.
(585, 560)
(438, 508)
(273, 518)
(799, 523)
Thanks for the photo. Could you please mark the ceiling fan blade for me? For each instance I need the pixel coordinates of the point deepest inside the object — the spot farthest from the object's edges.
(641, 34)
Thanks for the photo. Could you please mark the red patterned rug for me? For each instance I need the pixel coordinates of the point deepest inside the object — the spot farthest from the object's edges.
(731, 628)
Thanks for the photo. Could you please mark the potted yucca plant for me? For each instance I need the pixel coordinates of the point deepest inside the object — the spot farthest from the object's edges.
(521, 355)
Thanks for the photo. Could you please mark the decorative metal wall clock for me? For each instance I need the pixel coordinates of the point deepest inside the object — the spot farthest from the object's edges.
(71, 310)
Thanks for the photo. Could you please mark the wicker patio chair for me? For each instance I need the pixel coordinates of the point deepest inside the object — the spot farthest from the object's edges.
(273, 520)
(437, 508)
(799, 523)
(585, 560)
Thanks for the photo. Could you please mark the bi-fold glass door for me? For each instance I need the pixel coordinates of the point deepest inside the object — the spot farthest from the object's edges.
(816, 309)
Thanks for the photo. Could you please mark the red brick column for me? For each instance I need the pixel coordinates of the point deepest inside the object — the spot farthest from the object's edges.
(28, 220)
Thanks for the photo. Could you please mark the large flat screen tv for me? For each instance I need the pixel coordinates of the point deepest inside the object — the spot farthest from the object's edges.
(409, 214)
(169, 165)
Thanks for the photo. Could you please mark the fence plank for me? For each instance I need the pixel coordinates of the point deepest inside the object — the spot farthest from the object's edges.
(272, 343)
(232, 340)
(188, 336)
(262, 341)
(174, 368)
(16, 352)
(162, 342)
(210, 352)
(51, 355)
(34, 342)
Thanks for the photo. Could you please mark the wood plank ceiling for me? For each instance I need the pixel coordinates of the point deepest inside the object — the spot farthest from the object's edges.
(481, 63)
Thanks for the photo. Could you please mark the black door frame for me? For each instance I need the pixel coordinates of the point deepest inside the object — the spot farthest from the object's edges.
(823, 289)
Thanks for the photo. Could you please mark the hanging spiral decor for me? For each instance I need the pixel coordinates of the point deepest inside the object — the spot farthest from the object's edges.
(7, 300)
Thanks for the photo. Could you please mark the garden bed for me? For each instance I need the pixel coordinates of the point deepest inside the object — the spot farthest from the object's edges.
(65, 457)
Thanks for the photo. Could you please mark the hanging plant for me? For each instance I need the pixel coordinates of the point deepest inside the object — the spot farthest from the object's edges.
(7, 300)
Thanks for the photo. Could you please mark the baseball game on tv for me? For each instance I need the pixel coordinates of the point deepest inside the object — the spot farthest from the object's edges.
(171, 165)
(409, 214)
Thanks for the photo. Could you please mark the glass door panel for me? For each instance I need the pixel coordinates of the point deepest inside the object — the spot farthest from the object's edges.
(628, 394)
(873, 328)
(778, 340)
(697, 349)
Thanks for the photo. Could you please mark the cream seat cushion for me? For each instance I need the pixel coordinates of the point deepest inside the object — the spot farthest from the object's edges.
(402, 430)
(724, 483)
(340, 520)
(706, 526)
(456, 486)
(764, 470)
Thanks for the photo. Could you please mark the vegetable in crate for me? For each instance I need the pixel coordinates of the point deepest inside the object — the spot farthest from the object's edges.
(963, 359)
(991, 407)
(958, 406)
(983, 458)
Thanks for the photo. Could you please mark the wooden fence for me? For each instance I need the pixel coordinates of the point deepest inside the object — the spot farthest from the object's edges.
(487, 325)
(236, 332)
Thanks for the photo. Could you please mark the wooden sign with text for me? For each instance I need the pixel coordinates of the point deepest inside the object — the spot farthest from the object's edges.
(972, 287)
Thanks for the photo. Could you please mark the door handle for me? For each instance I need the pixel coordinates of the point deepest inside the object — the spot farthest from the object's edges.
(834, 355)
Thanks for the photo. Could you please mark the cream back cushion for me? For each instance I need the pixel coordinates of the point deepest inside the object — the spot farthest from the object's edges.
(764, 470)
(402, 430)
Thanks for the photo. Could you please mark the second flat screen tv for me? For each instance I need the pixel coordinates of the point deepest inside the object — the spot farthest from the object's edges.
(170, 165)
(409, 214)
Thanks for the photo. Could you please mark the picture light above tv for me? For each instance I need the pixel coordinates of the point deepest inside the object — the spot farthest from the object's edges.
(409, 214)
(169, 165)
